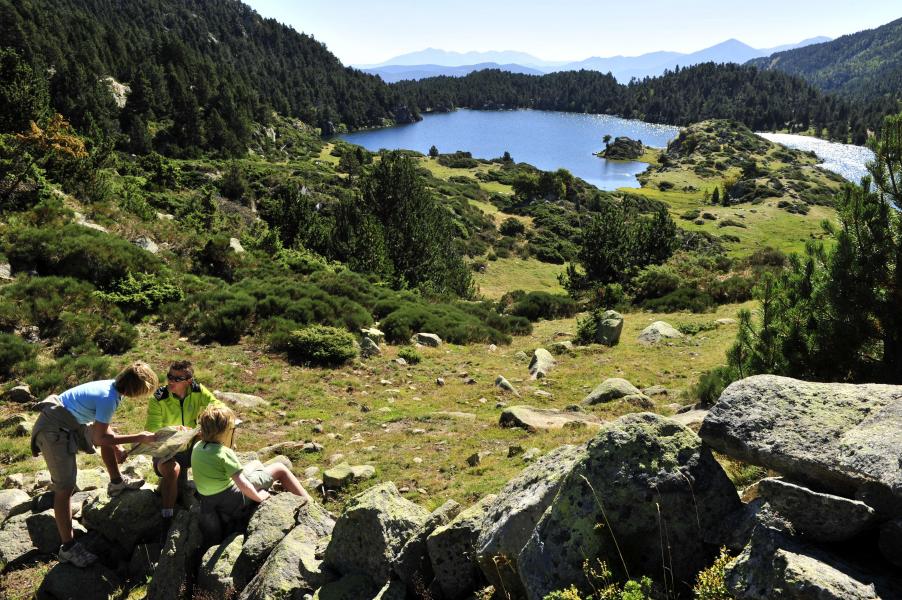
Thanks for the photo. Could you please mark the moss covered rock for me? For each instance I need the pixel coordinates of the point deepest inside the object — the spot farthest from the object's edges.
(644, 482)
(371, 532)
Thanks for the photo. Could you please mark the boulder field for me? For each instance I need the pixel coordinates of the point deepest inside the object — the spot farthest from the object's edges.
(645, 496)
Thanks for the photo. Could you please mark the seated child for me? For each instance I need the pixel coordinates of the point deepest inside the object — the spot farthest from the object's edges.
(225, 489)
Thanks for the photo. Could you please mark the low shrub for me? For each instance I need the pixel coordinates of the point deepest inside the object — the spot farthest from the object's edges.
(410, 355)
(142, 292)
(655, 281)
(511, 227)
(710, 583)
(691, 215)
(222, 315)
(450, 323)
(683, 298)
(66, 372)
(711, 384)
(13, 350)
(321, 345)
(542, 305)
(76, 251)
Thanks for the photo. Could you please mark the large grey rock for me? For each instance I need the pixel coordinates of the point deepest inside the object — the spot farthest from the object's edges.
(372, 531)
(611, 389)
(844, 438)
(657, 331)
(144, 561)
(66, 582)
(426, 339)
(354, 586)
(215, 573)
(20, 394)
(542, 361)
(890, 541)
(643, 477)
(147, 244)
(412, 563)
(291, 570)
(502, 383)
(539, 419)
(129, 518)
(266, 528)
(343, 474)
(28, 533)
(235, 245)
(6, 271)
(13, 502)
(773, 566)
(816, 516)
(239, 400)
(609, 329)
(512, 516)
(173, 576)
(369, 348)
(452, 552)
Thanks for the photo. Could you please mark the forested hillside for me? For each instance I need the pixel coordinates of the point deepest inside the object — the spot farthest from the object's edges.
(759, 99)
(200, 71)
(864, 66)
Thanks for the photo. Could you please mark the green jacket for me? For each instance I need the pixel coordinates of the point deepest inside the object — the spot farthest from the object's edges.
(165, 409)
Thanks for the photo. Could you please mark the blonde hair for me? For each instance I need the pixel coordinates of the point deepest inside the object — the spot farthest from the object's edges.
(215, 421)
(136, 380)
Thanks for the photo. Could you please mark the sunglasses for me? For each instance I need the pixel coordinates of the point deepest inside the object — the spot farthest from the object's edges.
(171, 377)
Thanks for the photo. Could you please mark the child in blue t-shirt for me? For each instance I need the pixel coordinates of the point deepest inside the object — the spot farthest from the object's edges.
(79, 419)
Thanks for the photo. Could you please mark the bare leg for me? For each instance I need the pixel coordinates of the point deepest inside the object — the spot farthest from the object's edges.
(62, 513)
(289, 482)
(169, 483)
(108, 454)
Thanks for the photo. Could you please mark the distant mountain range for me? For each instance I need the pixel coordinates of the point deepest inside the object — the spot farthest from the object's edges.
(432, 62)
(395, 73)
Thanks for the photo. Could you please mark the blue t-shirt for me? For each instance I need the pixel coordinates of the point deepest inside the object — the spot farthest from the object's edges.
(93, 401)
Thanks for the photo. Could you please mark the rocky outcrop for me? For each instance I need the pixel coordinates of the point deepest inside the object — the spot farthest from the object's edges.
(452, 552)
(214, 576)
(503, 384)
(412, 565)
(426, 339)
(542, 362)
(615, 388)
(13, 502)
(27, 534)
(774, 566)
(836, 446)
(816, 516)
(609, 328)
(173, 573)
(266, 528)
(642, 475)
(239, 400)
(658, 331)
(65, 582)
(512, 516)
(372, 531)
(129, 518)
(539, 419)
(842, 438)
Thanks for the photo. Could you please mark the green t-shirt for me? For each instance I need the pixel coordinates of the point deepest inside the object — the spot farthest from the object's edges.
(213, 466)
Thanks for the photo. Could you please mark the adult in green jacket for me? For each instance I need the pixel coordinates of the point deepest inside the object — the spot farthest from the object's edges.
(178, 403)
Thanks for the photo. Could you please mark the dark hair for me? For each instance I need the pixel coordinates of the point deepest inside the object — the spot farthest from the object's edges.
(182, 365)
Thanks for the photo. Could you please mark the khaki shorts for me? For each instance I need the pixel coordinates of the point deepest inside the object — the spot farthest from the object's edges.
(230, 504)
(59, 450)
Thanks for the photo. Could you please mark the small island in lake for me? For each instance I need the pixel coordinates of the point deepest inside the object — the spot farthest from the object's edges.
(622, 148)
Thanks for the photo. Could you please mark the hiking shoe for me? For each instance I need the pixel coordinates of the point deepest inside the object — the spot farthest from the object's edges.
(77, 555)
(127, 483)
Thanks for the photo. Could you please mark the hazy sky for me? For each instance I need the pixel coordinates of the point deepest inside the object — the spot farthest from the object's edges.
(368, 31)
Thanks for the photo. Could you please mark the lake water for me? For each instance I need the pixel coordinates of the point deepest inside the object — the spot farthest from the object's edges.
(552, 140)
(546, 139)
(845, 159)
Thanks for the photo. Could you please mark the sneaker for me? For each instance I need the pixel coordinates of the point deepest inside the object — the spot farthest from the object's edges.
(127, 483)
(77, 555)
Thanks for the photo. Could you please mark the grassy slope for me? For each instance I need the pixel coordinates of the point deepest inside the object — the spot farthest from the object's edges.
(399, 400)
